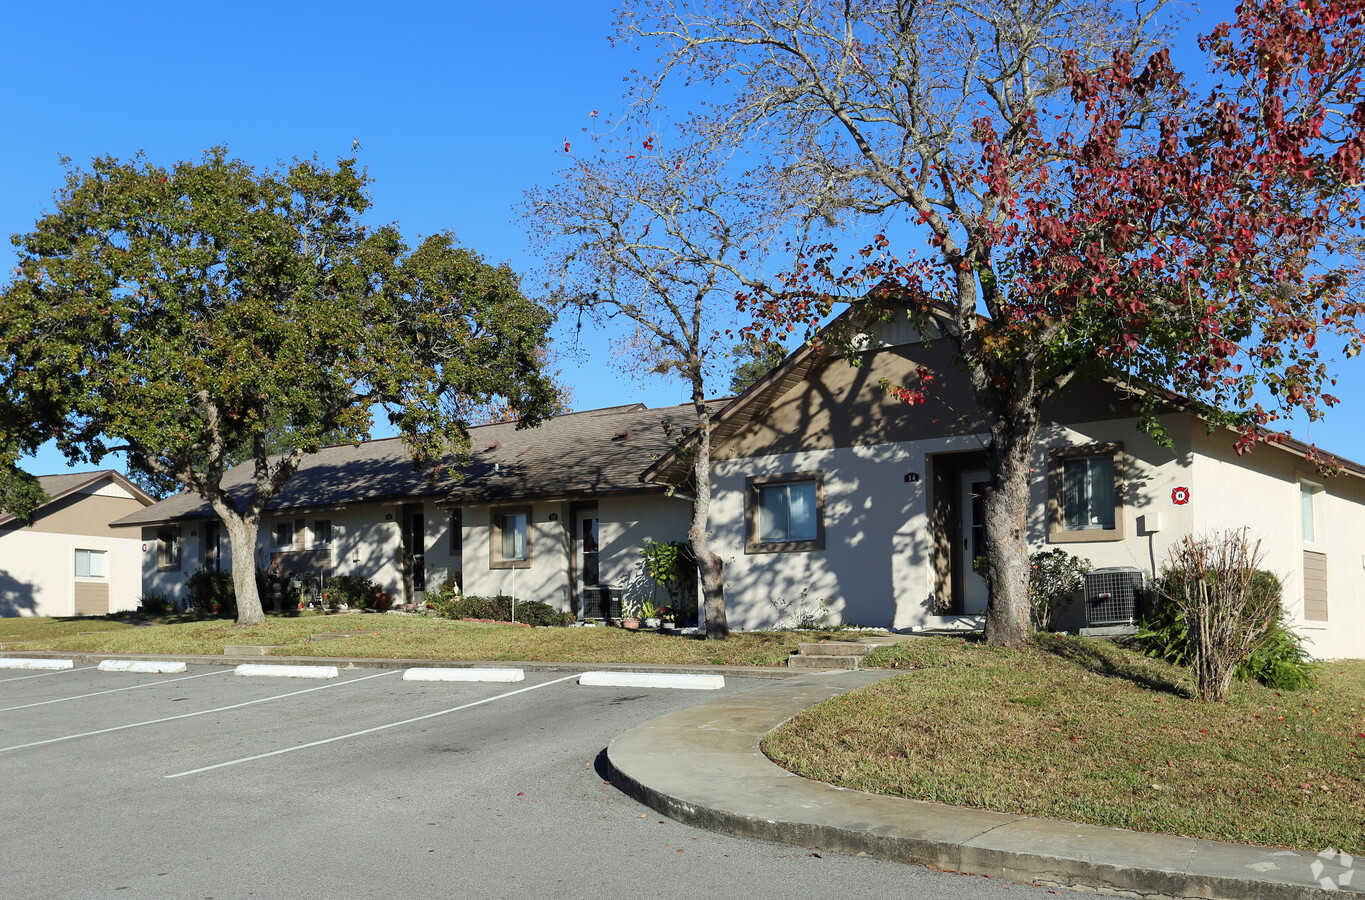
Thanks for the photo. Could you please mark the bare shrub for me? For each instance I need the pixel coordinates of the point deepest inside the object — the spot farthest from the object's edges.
(1214, 581)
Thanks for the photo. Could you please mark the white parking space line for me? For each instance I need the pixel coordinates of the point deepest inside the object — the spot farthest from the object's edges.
(45, 674)
(342, 737)
(131, 687)
(72, 737)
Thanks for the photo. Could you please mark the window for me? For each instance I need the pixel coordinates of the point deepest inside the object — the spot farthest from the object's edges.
(1085, 494)
(456, 532)
(322, 532)
(510, 544)
(284, 534)
(168, 549)
(785, 513)
(1310, 511)
(90, 564)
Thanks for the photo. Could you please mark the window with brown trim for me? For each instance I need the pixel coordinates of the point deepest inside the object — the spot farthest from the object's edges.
(784, 513)
(168, 550)
(509, 543)
(1085, 494)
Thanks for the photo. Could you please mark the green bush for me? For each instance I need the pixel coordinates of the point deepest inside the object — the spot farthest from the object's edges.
(499, 608)
(1055, 577)
(355, 591)
(155, 603)
(1280, 662)
(211, 593)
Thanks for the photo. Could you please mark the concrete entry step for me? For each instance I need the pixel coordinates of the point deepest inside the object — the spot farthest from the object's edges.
(835, 648)
(248, 649)
(797, 661)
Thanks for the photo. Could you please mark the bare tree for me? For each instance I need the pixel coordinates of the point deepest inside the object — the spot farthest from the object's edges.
(654, 231)
(1228, 602)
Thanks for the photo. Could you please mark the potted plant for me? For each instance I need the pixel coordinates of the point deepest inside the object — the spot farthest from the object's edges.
(650, 613)
(630, 615)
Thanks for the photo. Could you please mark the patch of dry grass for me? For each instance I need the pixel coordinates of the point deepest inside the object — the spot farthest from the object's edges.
(419, 637)
(1085, 731)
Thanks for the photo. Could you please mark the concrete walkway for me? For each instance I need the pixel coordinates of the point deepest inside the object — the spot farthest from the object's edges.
(703, 766)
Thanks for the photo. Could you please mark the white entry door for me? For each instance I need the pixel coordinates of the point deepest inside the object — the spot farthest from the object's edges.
(973, 540)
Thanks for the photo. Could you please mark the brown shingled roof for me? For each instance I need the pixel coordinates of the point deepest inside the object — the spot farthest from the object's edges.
(577, 454)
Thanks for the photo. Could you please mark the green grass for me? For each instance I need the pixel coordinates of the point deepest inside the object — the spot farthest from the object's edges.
(407, 637)
(42, 628)
(1085, 731)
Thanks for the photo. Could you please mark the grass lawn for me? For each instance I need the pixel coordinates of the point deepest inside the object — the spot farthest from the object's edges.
(405, 637)
(1085, 731)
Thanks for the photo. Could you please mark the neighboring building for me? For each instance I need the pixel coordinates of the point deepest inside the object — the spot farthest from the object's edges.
(828, 494)
(551, 513)
(71, 560)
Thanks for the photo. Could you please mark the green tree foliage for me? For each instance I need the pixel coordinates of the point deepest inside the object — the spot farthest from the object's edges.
(755, 358)
(192, 316)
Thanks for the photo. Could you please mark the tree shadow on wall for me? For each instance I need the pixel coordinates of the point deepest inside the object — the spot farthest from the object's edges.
(17, 598)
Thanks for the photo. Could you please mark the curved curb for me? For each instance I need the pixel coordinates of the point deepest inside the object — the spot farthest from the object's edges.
(703, 766)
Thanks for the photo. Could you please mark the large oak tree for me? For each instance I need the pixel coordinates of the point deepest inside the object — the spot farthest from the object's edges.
(192, 316)
(1084, 209)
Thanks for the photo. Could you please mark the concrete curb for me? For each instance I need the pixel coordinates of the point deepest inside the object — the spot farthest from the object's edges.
(471, 674)
(257, 670)
(703, 766)
(45, 663)
(676, 681)
(375, 662)
(149, 666)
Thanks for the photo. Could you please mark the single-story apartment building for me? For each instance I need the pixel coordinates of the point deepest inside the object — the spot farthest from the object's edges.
(827, 494)
(71, 561)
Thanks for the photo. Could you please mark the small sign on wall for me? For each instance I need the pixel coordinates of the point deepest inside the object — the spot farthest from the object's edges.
(1180, 496)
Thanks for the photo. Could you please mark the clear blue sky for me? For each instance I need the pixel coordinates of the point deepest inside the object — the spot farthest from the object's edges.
(458, 107)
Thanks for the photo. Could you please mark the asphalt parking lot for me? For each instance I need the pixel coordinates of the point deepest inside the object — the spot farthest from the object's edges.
(208, 784)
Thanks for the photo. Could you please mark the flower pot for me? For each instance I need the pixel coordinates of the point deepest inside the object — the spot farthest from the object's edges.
(630, 624)
(652, 623)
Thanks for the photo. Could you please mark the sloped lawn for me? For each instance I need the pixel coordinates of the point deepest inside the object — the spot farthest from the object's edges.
(1085, 731)
(406, 637)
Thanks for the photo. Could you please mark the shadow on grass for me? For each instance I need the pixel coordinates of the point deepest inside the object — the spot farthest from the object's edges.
(1107, 662)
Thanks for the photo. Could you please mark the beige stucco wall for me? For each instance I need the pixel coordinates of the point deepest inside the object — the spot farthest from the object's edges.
(37, 572)
(1261, 490)
(877, 567)
(546, 578)
(624, 524)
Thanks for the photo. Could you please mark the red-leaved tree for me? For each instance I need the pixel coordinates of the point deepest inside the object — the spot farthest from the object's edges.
(1087, 211)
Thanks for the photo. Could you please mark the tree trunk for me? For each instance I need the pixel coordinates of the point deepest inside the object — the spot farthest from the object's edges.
(710, 567)
(242, 531)
(1007, 504)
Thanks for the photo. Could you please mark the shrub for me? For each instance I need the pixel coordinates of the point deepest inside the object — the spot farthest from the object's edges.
(211, 593)
(353, 590)
(1054, 578)
(672, 566)
(499, 608)
(155, 603)
(1221, 615)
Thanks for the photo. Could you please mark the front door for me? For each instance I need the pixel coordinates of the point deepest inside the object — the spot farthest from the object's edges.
(973, 544)
(213, 547)
(588, 564)
(414, 552)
